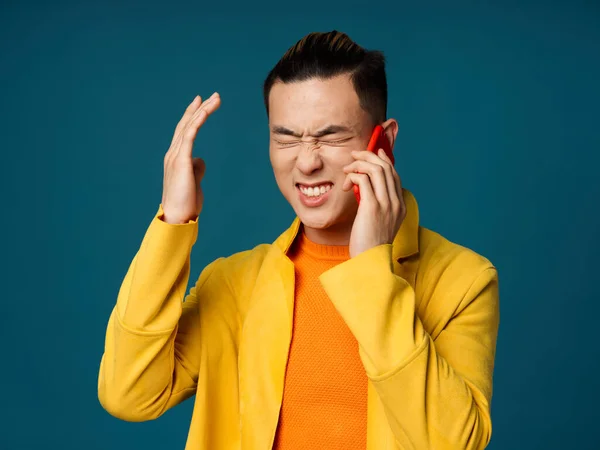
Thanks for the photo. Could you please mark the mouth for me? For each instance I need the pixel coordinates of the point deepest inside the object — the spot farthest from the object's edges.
(314, 194)
(314, 189)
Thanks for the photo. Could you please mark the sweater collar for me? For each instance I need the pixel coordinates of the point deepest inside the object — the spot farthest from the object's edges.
(303, 245)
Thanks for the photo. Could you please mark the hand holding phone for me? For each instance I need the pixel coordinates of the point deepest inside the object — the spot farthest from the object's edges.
(378, 140)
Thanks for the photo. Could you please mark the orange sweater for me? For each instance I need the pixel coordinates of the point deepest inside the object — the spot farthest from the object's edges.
(325, 392)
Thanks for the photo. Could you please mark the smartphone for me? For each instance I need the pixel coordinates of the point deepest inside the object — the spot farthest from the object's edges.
(378, 140)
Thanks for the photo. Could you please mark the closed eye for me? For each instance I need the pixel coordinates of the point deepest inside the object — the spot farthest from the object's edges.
(287, 144)
(336, 142)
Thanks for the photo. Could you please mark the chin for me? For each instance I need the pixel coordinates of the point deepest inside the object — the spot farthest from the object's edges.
(324, 218)
(313, 219)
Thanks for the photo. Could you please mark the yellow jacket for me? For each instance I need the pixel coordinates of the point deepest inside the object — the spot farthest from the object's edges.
(424, 311)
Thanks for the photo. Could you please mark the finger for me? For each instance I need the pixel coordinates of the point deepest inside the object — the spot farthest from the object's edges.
(206, 104)
(189, 133)
(367, 195)
(365, 155)
(378, 178)
(189, 112)
(397, 183)
(378, 157)
(383, 155)
(189, 117)
(390, 177)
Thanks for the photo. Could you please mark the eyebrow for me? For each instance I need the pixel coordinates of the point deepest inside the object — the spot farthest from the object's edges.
(330, 129)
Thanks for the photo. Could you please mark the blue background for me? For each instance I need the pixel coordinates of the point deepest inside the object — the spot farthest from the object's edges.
(498, 106)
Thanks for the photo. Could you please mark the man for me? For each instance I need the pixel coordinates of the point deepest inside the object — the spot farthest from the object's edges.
(355, 329)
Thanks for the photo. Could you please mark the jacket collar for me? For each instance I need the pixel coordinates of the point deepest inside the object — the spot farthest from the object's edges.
(406, 242)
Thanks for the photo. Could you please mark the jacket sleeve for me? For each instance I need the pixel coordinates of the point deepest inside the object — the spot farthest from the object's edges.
(436, 394)
(151, 353)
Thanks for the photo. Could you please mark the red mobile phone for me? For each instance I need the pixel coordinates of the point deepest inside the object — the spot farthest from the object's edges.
(378, 140)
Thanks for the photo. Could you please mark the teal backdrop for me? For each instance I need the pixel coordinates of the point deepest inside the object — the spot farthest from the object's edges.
(498, 105)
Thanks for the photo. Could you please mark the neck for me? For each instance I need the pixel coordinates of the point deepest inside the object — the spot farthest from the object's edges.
(335, 235)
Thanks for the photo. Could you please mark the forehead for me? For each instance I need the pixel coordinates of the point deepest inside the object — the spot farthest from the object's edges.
(315, 103)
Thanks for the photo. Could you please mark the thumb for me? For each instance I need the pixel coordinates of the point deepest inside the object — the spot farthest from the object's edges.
(199, 168)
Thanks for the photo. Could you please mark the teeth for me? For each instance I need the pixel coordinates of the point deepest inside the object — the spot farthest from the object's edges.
(315, 191)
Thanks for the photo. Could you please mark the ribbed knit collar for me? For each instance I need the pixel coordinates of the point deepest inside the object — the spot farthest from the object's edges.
(320, 251)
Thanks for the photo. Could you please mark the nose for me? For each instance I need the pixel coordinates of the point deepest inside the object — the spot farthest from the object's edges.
(309, 159)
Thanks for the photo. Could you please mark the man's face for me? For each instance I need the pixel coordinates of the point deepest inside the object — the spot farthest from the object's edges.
(314, 126)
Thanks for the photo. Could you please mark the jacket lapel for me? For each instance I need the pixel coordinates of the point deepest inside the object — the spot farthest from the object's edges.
(264, 345)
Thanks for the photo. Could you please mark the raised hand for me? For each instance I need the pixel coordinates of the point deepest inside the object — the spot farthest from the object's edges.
(182, 196)
(382, 209)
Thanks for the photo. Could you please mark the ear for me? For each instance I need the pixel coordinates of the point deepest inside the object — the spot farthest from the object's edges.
(390, 128)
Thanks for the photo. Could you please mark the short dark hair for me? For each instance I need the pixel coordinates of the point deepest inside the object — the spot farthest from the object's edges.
(326, 55)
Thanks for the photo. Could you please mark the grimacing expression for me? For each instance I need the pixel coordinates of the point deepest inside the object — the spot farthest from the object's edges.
(314, 125)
